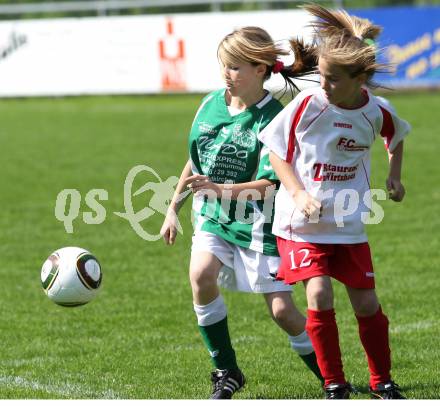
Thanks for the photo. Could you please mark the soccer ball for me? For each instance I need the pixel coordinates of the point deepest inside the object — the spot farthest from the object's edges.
(71, 276)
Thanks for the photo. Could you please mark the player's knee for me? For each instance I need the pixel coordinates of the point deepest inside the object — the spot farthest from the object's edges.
(201, 278)
(282, 313)
(320, 299)
(364, 301)
(366, 307)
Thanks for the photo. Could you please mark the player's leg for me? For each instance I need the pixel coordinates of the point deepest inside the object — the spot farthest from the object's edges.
(373, 332)
(309, 263)
(211, 313)
(253, 272)
(290, 319)
(323, 332)
(352, 265)
(204, 270)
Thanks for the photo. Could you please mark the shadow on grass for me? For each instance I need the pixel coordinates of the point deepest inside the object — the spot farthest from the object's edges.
(404, 389)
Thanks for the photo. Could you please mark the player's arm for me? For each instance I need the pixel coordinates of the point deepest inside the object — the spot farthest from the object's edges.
(394, 186)
(303, 200)
(179, 197)
(255, 190)
(169, 226)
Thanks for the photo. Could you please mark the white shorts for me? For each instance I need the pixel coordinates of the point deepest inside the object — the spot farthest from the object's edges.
(243, 269)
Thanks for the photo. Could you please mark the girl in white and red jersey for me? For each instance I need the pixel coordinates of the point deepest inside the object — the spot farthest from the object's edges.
(320, 149)
(227, 160)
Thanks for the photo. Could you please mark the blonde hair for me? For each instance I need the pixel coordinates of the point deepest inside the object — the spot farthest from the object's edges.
(255, 46)
(249, 44)
(347, 41)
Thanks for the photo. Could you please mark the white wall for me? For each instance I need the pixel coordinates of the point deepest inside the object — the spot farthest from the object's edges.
(115, 55)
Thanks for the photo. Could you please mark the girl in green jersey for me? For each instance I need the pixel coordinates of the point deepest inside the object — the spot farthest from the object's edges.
(233, 184)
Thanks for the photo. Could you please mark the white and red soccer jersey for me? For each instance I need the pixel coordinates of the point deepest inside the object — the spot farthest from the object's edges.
(329, 149)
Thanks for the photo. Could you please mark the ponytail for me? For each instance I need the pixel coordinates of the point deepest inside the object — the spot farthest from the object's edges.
(305, 63)
(347, 41)
(340, 23)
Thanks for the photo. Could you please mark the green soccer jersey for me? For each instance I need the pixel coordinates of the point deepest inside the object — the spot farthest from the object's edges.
(226, 149)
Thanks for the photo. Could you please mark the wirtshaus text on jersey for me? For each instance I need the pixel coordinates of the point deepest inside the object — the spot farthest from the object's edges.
(225, 148)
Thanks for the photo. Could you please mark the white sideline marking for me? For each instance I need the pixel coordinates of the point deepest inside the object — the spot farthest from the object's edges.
(246, 339)
(63, 390)
(419, 325)
(198, 346)
(26, 361)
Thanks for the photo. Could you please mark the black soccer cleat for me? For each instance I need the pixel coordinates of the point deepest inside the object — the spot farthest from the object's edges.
(338, 390)
(226, 382)
(387, 390)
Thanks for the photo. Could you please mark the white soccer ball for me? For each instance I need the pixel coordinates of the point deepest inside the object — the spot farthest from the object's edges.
(71, 276)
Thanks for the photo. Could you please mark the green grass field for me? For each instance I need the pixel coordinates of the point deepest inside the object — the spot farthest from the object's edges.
(138, 338)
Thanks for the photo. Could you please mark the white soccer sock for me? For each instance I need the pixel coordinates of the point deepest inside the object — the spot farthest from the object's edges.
(301, 343)
(212, 312)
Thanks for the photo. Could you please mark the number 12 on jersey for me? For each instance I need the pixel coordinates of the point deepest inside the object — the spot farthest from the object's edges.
(298, 262)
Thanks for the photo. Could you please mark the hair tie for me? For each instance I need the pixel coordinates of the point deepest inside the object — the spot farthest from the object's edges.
(369, 42)
(279, 65)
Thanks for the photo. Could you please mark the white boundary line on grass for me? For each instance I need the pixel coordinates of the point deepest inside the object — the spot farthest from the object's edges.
(419, 325)
(68, 390)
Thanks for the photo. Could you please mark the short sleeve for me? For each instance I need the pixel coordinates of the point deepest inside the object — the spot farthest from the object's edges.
(265, 170)
(279, 135)
(394, 129)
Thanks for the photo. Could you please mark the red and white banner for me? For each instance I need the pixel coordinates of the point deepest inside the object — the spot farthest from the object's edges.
(125, 55)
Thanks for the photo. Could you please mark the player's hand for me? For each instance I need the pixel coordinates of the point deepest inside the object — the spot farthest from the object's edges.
(169, 228)
(308, 205)
(199, 183)
(396, 191)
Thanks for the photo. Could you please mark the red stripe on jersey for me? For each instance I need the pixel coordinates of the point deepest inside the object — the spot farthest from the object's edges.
(366, 175)
(322, 111)
(371, 125)
(292, 134)
(387, 130)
